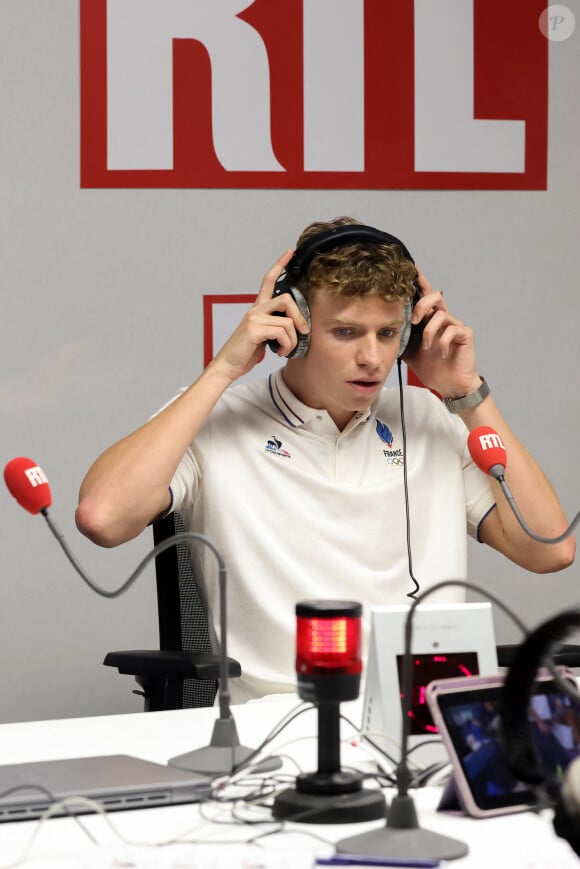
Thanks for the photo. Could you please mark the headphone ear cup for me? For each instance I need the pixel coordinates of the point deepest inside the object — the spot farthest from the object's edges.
(411, 333)
(303, 340)
(405, 329)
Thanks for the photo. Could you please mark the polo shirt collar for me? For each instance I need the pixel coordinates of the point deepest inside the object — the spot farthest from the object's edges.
(297, 414)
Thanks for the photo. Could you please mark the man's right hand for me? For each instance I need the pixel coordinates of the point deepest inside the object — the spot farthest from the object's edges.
(245, 347)
(127, 486)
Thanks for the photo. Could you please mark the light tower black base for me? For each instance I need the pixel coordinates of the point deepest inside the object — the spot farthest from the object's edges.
(336, 798)
(364, 805)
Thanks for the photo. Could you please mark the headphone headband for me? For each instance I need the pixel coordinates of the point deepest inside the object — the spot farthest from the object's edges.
(331, 238)
(410, 337)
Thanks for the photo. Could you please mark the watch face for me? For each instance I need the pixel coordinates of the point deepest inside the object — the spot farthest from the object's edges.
(426, 668)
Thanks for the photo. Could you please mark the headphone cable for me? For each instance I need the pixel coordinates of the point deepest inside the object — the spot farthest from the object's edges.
(414, 592)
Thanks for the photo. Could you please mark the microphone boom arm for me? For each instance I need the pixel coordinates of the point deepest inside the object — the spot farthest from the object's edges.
(516, 511)
(182, 536)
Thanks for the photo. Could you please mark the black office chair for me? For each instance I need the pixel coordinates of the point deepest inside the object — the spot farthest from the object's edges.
(183, 672)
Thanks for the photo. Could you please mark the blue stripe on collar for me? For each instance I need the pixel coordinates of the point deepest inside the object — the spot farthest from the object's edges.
(281, 405)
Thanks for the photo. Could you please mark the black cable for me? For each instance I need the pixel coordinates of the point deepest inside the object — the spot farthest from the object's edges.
(424, 742)
(421, 779)
(411, 594)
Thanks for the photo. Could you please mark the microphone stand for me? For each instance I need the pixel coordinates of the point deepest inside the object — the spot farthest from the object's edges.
(224, 754)
(497, 472)
(403, 838)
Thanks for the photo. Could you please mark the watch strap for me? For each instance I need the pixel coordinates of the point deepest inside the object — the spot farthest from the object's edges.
(469, 401)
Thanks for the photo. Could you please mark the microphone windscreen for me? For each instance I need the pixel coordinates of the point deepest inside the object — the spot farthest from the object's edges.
(28, 483)
(486, 448)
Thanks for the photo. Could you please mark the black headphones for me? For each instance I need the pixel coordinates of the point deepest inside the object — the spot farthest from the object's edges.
(411, 334)
(520, 752)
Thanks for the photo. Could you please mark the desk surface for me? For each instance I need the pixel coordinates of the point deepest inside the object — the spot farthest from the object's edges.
(522, 841)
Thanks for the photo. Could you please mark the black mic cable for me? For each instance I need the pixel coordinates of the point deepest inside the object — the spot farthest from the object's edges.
(412, 594)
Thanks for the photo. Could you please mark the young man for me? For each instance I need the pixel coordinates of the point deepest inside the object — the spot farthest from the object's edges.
(298, 479)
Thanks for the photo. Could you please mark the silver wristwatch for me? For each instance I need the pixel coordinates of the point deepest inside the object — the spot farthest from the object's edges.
(467, 402)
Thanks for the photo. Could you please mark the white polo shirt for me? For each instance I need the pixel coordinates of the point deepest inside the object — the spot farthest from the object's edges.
(301, 511)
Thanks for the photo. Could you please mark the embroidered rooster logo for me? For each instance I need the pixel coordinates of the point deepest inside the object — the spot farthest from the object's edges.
(275, 446)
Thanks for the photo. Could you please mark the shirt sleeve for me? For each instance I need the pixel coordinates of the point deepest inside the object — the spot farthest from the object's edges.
(185, 481)
(479, 497)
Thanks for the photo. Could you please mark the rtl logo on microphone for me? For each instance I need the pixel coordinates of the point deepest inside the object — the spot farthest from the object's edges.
(491, 441)
(36, 476)
(311, 94)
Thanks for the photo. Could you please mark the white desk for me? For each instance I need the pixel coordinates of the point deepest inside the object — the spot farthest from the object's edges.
(523, 841)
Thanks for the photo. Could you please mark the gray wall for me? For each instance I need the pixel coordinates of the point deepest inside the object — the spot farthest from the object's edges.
(90, 281)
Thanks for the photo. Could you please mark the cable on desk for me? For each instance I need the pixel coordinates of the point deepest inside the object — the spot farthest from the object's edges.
(95, 807)
(56, 806)
(44, 790)
(278, 728)
(227, 807)
(47, 793)
(423, 778)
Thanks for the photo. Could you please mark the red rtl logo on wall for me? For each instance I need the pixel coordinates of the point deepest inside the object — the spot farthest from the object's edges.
(361, 94)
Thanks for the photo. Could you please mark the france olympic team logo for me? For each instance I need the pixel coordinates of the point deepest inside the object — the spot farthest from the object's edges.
(393, 457)
(385, 433)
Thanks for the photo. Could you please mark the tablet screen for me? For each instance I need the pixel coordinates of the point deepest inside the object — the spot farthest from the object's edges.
(472, 723)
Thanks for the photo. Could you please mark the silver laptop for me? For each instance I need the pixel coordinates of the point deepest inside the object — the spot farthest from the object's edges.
(115, 781)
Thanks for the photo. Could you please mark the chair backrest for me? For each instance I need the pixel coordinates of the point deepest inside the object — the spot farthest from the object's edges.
(183, 618)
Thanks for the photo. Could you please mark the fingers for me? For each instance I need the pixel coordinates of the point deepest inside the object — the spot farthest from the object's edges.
(430, 300)
(443, 332)
(271, 276)
(422, 282)
(440, 326)
(427, 305)
(278, 318)
(446, 360)
(283, 331)
(268, 319)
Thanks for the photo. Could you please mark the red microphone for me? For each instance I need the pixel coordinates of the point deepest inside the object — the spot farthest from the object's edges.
(489, 454)
(488, 451)
(27, 482)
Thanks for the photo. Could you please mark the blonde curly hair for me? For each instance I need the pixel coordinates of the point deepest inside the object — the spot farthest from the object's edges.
(356, 269)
